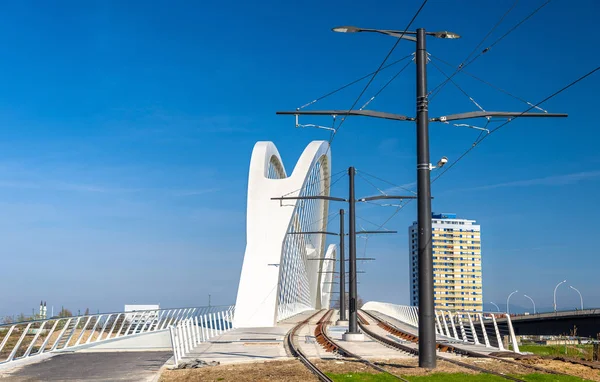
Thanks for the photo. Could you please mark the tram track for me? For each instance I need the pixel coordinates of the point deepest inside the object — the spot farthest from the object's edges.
(444, 348)
(331, 345)
(299, 354)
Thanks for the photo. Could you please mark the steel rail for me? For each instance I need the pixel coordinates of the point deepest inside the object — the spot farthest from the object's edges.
(331, 346)
(297, 353)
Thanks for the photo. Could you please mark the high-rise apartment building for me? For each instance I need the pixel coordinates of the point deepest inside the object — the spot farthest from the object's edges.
(456, 263)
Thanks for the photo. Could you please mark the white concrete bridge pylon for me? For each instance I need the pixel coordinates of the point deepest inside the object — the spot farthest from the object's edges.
(278, 278)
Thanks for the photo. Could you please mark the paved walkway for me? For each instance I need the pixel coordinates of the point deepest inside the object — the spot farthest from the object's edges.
(248, 344)
(101, 366)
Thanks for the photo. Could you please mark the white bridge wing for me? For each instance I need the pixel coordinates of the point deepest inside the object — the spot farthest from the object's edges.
(281, 273)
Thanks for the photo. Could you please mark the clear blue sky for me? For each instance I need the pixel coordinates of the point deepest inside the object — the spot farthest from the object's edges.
(127, 129)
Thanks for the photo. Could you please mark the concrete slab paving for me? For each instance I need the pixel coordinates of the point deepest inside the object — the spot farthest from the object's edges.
(102, 366)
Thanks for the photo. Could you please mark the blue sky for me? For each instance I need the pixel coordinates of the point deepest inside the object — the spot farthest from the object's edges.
(127, 129)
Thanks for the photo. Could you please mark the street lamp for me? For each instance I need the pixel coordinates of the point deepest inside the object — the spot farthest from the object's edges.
(507, 300)
(497, 307)
(532, 302)
(556, 287)
(405, 35)
(427, 340)
(580, 297)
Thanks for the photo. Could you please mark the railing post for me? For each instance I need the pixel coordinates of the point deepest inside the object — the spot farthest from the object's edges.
(196, 330)
(83, 331)
(94, 328)
(463, 332)
(182, 343)
(485, 336)
(46, 340)
(473, 331)
(18, 344)
(437, 319)
(104, 327)
(174, 344)
(115, 324)
(62, 332)
(212, 325)
(498, 337)
(512, 335)
(205, 328)
(191, 331)
(72, 333)
(453, 326)
(445, 323)
(135, 314)
(6, 337)
(26, 354)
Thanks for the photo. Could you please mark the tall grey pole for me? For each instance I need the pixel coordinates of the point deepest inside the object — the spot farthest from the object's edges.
(352, 327)
(427, 356)
(342, 270)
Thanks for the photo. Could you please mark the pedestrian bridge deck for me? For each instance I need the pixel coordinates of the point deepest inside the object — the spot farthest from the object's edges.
(248, 344)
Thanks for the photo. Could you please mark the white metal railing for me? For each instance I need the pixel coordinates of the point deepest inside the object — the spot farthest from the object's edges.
(478, 328)
(29, 339)
(190, 332)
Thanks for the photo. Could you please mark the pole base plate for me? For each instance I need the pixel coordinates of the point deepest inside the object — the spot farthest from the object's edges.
(353, 337)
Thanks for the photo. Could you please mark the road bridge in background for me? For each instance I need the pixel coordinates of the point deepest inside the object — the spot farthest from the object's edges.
(586, 321)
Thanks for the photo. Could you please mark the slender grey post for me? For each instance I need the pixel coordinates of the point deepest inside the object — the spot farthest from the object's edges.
(342, 270)
(352, 327)
(427, 355)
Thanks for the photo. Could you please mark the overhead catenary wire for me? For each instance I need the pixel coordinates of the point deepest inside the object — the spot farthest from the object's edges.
(334, 133)
(386, 181)
(385, 86)
(353, 82)
(477, 142)
(466, 63)
(490, 84)
(457, 86)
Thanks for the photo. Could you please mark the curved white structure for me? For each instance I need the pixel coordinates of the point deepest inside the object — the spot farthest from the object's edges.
(282, 270)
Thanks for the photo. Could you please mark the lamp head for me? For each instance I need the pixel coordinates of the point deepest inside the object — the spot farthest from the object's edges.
(442, 162)
(346, 29)
(446, 34)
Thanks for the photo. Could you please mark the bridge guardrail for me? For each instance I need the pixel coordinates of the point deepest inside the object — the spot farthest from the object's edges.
(30, 339)
(478, 328)
(190, 332)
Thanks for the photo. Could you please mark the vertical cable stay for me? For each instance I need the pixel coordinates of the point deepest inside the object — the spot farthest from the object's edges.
(316, 181)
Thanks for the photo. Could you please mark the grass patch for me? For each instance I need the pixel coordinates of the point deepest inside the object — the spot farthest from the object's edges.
(578, 351)
(363, 377)
(449, 377)
(550, 377)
